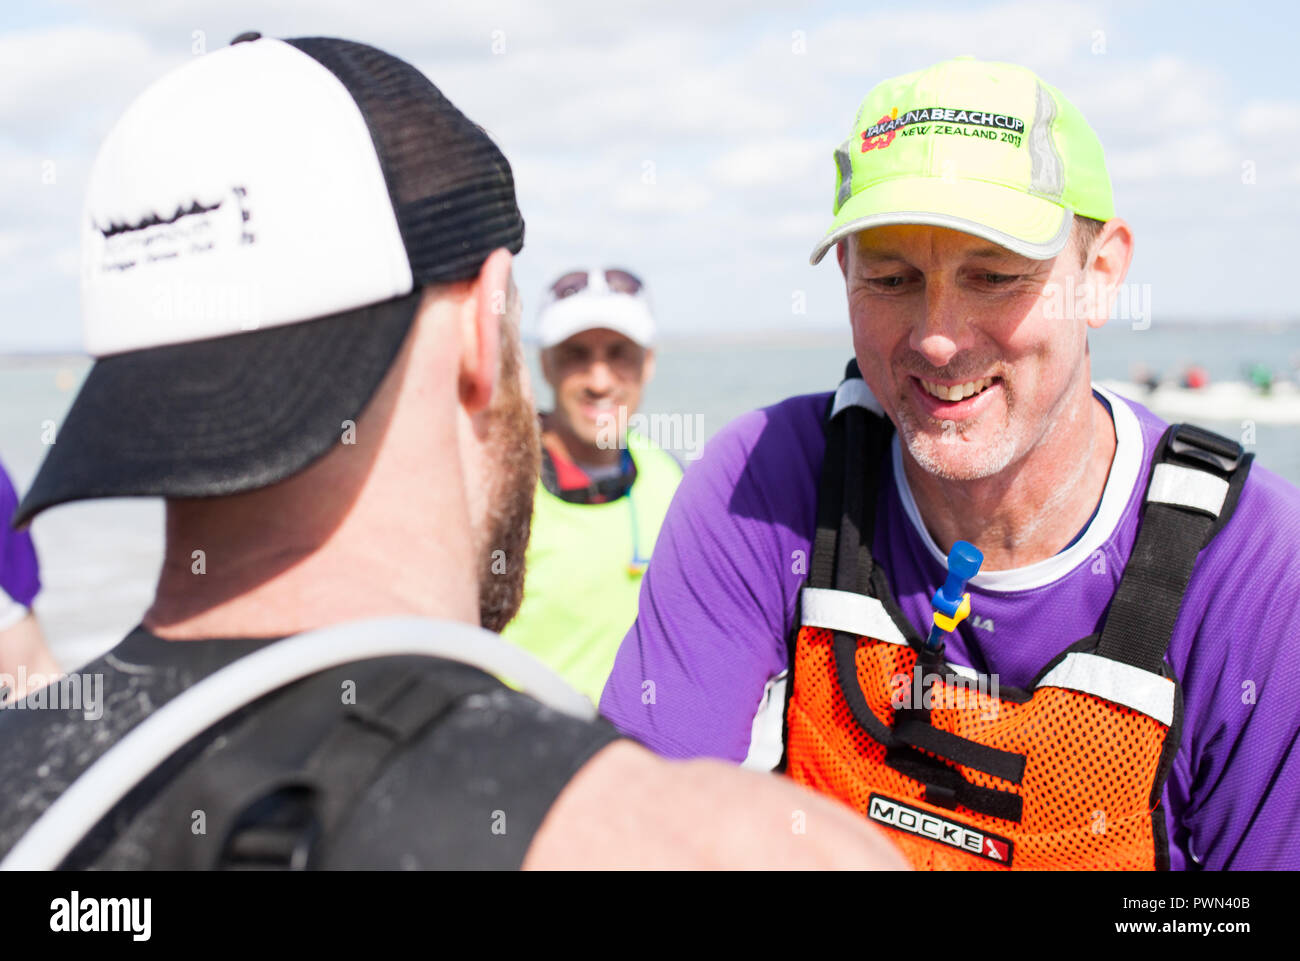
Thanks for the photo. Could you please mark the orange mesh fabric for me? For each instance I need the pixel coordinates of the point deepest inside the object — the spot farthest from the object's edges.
(1089, 774)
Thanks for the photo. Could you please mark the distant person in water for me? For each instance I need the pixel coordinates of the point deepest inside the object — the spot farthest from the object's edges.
(1261, 376)
(1195, 377)
(604, 488)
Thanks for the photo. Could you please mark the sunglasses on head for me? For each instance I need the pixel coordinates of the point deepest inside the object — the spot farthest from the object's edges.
(618, 280)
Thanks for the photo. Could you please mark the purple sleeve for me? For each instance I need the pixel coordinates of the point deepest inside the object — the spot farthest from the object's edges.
(18, 570)
(1239, 780)
(721, 589)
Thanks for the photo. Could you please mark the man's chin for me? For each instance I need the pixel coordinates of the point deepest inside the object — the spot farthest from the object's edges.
(600, 431)
(951, 455)
(596, 436)
(590, 431)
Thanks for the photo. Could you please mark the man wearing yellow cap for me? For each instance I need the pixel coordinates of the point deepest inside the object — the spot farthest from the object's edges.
(1125, 692)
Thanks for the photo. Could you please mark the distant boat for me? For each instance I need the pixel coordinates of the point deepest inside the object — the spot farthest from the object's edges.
(1234, 401)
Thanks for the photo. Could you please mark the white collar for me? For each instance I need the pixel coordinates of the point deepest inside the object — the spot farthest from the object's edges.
(1125, 470)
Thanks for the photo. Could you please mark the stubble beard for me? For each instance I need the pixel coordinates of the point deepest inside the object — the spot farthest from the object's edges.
(935, 454)
(949, 455)
(516, 458)
(986, 459)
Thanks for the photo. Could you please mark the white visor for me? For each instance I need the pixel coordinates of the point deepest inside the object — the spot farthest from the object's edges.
(596, 306)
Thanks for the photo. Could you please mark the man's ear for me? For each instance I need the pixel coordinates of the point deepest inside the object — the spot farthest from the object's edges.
(482, 314)
(648, 366)
(842, 255)
(1107, 266)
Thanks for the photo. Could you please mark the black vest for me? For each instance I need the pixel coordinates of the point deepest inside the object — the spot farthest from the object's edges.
(393, 762)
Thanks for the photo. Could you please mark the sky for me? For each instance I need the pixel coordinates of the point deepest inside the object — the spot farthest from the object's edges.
(692, 142)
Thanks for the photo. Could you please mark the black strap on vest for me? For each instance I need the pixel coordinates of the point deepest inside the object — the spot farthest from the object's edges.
(313, 799)
(846, 503)
(945, 786)
(1138, 625)
(273, 789)
(1142, 614)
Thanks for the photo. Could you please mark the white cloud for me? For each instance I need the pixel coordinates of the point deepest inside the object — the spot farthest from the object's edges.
(11, 242)
(1199, 155)
(651, 91)
(674, 195)
(64, 85)
(1267, 118)
(873, 46)
(769, 163)
(803, 228)
(439, 31)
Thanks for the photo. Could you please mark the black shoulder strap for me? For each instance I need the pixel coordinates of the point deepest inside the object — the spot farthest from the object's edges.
(1196, 480)
(856, 440)
(273, 790)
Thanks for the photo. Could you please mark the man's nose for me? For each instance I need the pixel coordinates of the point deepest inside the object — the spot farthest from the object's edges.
(600, 379)
(944, 325)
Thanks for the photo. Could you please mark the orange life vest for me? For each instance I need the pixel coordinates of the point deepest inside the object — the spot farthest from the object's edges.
(1066, 774)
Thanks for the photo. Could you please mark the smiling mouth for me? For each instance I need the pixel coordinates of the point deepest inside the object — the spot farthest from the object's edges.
(956, 392)
(600, 409)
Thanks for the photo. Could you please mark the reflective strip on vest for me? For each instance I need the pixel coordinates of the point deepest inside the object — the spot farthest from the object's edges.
(1187, 487)
(846, 611)
(1120, 683)
(856, 393)
(766, 733)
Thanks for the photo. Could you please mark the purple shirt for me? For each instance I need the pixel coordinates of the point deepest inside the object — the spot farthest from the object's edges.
(719, 602)
(18, 571)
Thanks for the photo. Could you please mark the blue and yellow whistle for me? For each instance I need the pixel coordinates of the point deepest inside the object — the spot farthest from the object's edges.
(951, 603)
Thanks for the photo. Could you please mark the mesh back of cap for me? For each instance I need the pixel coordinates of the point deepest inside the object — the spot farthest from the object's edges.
(451, 187)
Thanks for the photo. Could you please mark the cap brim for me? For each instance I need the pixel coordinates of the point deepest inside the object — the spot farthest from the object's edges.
(1030, 226)
(220, 416)
(621, 313)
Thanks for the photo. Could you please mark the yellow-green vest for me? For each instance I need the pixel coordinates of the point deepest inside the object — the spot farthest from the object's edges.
(581, 585)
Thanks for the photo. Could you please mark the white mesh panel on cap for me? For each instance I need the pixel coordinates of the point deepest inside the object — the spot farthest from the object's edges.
(240, 191)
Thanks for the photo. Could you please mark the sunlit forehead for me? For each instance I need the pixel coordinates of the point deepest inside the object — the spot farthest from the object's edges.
(932, 248)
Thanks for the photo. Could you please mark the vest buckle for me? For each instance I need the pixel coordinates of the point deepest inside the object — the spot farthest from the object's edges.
(1205, 449)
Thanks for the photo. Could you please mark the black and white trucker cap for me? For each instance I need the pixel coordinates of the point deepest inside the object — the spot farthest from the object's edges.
(257, 229)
